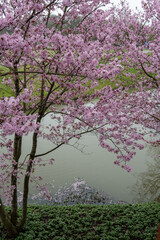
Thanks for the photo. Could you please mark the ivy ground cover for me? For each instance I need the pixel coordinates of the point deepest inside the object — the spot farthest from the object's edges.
(107, 222)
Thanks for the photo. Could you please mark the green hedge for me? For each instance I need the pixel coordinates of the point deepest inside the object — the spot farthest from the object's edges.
(84, 222)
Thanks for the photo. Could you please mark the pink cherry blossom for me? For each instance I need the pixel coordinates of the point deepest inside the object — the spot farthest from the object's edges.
(54, 54)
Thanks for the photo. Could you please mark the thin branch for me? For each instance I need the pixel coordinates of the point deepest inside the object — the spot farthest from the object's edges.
(79, 134)
(155, 80)
(88, 15)
(157, 118)
(63, 17)
(48, 73)
(35, 14)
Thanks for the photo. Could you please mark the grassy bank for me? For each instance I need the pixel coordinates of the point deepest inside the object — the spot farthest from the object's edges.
(109, 222)
(127, 78)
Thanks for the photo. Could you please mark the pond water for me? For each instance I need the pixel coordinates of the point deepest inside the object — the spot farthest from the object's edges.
(96, 166)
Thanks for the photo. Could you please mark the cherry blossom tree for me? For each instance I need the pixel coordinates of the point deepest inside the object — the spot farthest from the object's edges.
(54, 67)
(140, 64)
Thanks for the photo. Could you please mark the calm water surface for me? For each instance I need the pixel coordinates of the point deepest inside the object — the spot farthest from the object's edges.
(95, 165)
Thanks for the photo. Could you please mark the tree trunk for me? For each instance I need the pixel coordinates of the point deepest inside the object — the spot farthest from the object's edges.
(10, 227)
(26, 183)
(16, 154)
(158, 233)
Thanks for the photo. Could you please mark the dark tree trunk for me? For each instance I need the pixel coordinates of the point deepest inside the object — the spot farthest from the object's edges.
(26, 183)
(17, 154)
(158, 233)
(10, 227)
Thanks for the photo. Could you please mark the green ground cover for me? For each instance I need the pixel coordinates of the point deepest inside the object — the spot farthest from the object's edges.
(4, 89)
(120, 79)
(90, 222)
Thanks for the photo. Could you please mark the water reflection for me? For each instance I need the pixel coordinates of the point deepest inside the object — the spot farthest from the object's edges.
(147, 187)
